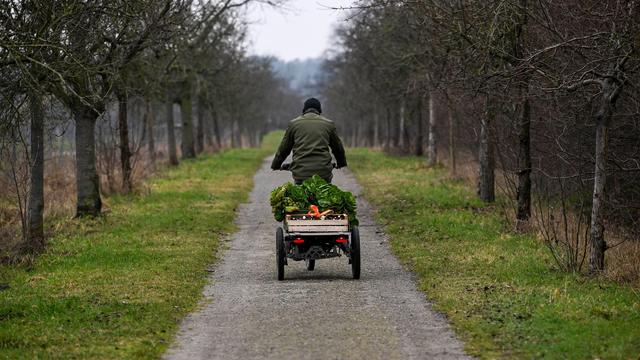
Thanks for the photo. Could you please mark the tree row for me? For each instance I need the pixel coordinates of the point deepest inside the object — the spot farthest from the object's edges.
(541, 96)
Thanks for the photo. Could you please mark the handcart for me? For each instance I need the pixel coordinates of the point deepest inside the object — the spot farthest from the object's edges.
(305, 237)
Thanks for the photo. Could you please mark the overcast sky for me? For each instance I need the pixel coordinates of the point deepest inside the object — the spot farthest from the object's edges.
(301, 30)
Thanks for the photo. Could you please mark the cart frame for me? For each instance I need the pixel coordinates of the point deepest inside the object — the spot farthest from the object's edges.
(303, 237)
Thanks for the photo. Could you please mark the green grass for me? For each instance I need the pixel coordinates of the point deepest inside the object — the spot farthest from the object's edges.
(500, 291)
(116, 287)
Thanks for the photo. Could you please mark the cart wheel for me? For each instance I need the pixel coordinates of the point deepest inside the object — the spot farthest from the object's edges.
(355, 252)
(280, 255)
(311, 264)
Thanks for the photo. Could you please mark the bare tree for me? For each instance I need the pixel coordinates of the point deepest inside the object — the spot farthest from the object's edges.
(432, 149)
(123, 131)
(486, 179)
(171, 138)
(35, 212)
(555, 80)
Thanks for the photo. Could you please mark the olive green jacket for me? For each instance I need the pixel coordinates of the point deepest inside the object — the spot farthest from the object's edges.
(310, 136)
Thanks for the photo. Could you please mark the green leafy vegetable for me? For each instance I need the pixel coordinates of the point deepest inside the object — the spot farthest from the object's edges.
(289, 198)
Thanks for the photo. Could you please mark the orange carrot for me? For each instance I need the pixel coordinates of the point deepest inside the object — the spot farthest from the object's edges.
(313, 211)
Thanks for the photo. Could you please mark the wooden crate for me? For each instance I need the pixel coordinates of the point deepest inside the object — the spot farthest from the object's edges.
(316, 226)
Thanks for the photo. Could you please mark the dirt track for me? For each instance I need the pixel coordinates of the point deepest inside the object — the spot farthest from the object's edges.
(322, 314)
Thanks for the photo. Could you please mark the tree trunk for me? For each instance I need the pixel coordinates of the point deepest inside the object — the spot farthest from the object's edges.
(236, 140)
(432, 155)
(364, 130)
(401, 132)
(106, 160)
(452, 140)
(208, 135)
(249, 137)
(366, 133)
(419, 151)
(389, 134)
(200, 128)
(376, 129)
(87, 180)
(524, 159)
(125, 151)
(171, 135)
(597, 241)
(598, 246)
(232, 133)
(216, 128)
(523, 212)
(186, 110)
(208, 126)
(149, 122)
(35, 230)
(257, 136)
(486, 183)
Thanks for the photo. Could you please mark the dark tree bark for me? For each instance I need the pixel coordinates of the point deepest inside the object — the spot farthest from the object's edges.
(524, 159)
(125, 151)
(200, 127)
(236, 138)
(611, 89)
(452, 140)
(402, 134)
(361, 137)
(376, 129)
(34, 241)
(597, 242)
(186, 110)
(171, 134)
(216, 128)
(368, 134)
(486, 181)
(395, 119)
(87, 180)
(388, 141)
(208, 128)
(419, 150)
(523, 212)
(208, 134)
(149, 123)
(432, 149)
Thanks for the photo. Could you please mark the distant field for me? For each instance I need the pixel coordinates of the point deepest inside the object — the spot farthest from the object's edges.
(500, 291)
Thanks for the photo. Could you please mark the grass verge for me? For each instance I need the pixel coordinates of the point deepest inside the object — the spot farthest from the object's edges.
(116, 287)
(499, 290)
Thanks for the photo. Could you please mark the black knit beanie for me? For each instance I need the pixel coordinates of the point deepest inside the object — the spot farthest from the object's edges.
(312, 103)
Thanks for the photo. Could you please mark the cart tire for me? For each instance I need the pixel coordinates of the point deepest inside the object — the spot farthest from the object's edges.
(280, 254)
(311, 264)
(355, 252)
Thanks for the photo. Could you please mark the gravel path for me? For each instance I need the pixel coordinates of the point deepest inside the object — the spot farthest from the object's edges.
(320, 314)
